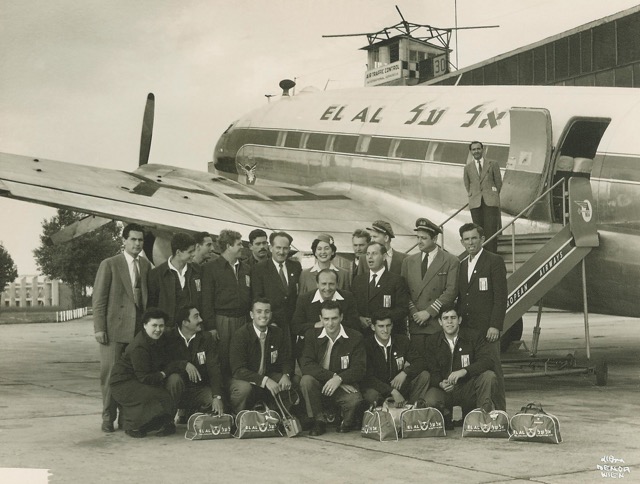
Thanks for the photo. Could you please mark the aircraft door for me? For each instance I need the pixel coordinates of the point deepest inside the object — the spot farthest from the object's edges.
(529, 153)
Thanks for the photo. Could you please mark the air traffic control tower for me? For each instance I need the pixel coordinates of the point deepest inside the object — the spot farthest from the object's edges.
(403, 60)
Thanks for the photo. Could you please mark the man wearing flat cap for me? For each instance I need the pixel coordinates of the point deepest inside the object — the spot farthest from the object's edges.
(432, 278)
(382, 233)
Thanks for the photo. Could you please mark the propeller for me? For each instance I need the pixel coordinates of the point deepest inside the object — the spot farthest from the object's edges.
(147, 130)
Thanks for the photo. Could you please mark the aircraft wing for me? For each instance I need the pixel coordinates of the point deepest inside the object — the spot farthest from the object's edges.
(170, 198)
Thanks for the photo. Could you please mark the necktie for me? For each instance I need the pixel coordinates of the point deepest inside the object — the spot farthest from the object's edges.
(425, 264)
(479, 168)
(263, 338)
(236, 268)
(137, 292)
(386, 352)
(372, 284)
(283, 279)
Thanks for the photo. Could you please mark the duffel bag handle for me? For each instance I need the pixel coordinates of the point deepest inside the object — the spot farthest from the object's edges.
(533, 406)
(420, 403)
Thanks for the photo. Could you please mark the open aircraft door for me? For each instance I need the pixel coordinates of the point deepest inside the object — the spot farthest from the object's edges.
(529, 153)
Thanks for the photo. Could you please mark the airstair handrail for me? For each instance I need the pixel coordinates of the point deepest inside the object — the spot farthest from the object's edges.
(542, 195)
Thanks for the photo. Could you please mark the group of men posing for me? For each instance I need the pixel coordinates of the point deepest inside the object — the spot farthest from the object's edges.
(407, 327)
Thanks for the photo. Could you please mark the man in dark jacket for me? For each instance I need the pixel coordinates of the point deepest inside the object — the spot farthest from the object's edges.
(174, 283)
(307, 313)
(277, 279)
(460, 365)
(482, 296)
(261, 362)
(198, 386)
(380, 289)
(333, 363)
(391, 369)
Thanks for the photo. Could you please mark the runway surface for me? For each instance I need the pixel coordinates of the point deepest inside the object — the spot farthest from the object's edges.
(50, 407)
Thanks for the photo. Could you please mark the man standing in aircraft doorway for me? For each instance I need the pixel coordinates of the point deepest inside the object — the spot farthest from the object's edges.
(483, 182)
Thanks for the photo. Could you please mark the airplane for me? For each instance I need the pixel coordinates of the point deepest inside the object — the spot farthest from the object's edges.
(337, 160)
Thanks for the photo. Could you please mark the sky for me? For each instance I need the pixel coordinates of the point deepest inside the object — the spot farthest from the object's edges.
(74, 74)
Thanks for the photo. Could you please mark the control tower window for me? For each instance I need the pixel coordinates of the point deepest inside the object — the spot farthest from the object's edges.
(394, 53)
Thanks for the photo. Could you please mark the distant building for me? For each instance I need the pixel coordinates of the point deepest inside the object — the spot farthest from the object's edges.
(605, 52)
(29, 291)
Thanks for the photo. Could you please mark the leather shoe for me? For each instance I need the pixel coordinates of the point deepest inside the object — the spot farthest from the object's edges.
(107, 427)
(168, 428)
(344, 428)
(319, 428)
(136, 434)
(448, 423)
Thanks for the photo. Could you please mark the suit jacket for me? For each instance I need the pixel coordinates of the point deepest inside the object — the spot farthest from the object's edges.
(162, 289)
(390, 293)
(308, 313)
(440, 362)
(482, 301)
(439, 287)
(485, 186)
(265, 282)
(380, 371)
(114, 309)
(244, 356)
(348, 357)
(397, 258)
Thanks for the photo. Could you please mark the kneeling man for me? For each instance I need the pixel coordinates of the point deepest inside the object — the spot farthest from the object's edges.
(460, 364)
(260, 358)
(391, 371)
(333, 363)
(198, 387)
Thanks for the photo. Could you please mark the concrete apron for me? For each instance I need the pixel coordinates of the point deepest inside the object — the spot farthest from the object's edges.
(50, 419)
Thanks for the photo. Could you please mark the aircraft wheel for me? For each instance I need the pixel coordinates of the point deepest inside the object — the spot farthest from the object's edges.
(602, 373)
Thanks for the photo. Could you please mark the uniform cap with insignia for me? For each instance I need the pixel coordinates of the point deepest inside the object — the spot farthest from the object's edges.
(325, 238)
(383, 227)
(428, 226)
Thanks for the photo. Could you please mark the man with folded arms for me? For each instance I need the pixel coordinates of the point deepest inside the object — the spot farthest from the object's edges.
(198, 387)
(260, 358)
(333, 362)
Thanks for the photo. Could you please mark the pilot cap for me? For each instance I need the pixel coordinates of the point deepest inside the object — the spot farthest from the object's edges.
(428, 226)
(383, 227)
(325, 238)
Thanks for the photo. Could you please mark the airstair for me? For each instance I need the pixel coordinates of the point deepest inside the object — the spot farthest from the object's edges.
(536, 262)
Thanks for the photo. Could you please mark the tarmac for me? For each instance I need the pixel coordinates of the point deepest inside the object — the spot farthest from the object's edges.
(50, 408)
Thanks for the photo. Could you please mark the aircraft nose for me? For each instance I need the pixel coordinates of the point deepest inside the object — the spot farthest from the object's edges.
(224, 155)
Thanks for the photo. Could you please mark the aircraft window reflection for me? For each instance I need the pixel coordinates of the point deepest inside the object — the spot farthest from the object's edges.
(415, 149)
(264, 137)
(317, 141)
(379, 146)
(345, 143)
(293, 139)
(455, 153)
